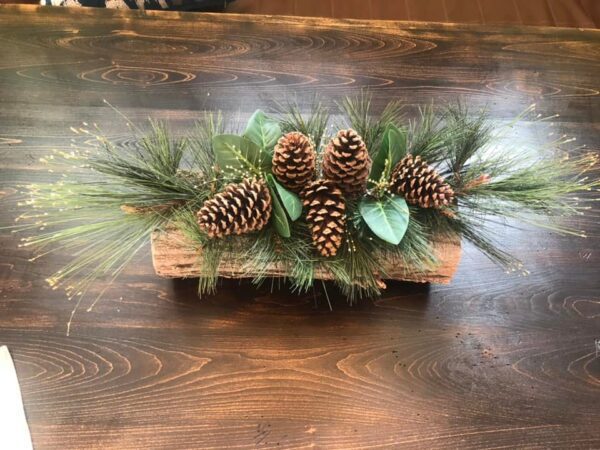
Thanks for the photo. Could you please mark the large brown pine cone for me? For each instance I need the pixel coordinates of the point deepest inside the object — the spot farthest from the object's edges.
(325, 215)
(347, 163)
(294, 161)
(239, 208)
(420, 184)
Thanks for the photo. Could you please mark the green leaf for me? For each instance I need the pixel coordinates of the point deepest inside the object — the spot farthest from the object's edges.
(263, 131)
(236, 152)
(290, 200)
(393, 148)
(387, 218)
(278, 215)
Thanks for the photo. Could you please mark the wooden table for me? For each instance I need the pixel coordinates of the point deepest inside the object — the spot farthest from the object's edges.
(491, 360)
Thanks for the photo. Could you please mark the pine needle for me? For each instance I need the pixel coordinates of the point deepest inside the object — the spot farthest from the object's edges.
(313, 124)
(364, 121)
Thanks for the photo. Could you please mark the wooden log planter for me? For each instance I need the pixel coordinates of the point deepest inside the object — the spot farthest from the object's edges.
(174, 256)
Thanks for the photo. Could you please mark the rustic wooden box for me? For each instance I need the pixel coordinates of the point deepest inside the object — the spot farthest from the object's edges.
(174, 256)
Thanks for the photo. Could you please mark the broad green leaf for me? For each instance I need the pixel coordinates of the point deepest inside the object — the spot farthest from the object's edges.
(393, 148)
(290, 200)
(263, 131)
(236, 152)
(278, 215)
(387, 218)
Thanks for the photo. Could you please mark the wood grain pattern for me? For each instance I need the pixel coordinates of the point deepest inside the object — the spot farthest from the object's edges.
(488, 361)
(174, 256)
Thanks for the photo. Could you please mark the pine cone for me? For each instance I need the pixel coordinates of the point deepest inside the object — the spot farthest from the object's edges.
(294, 161)
(325, 216)
(347, 162)
(420, 184)
(239, 208)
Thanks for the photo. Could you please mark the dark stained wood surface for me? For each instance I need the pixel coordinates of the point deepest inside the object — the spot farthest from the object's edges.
(489, 361)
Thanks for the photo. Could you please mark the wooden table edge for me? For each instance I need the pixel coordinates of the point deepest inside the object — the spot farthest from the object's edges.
(396, 25)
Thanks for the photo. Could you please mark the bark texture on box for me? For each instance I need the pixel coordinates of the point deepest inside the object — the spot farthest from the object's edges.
(173, 256)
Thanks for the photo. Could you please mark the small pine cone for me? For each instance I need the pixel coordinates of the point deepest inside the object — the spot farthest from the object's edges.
(325, 215)
(240, 208)
(420, 184)
(294, 161)
(347, 162)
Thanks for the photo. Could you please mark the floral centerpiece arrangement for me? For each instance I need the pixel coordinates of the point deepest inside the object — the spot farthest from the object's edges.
(351, 199)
